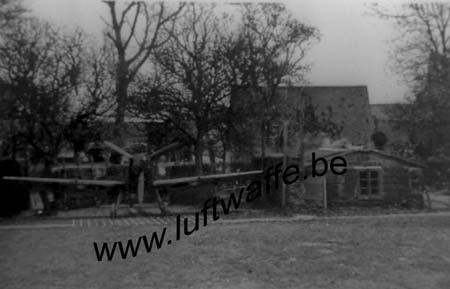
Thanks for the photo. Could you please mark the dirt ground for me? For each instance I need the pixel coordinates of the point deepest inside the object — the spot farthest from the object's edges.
(399, 252)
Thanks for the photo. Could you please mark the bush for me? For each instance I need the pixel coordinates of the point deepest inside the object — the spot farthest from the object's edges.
(379, 140)
(415, 201)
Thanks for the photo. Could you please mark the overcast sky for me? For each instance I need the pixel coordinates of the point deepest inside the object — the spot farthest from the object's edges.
(353, 49)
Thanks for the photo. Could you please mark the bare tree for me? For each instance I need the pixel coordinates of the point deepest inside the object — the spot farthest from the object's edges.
(9, 11)
(135, 31)
(195, 89)
(47, 72)
(269, 51)
(422, 57)
(93, 98)
(203, 64)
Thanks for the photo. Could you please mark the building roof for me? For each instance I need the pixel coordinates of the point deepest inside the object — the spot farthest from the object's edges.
(325, 153)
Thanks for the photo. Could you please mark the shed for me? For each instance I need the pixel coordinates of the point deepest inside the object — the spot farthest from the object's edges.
(372, 177)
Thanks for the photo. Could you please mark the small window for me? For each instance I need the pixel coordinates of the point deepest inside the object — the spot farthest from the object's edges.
(369, 183)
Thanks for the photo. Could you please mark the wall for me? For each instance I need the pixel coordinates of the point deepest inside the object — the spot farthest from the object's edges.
(345, 106)
(394, 186)
(344, 189)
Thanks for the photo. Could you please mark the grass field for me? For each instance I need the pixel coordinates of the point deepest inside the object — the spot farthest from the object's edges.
(396, 252)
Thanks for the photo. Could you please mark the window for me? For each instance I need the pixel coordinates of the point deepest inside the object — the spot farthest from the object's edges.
(369, 182)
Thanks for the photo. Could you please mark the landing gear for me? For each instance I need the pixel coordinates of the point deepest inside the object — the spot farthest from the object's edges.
(116, 195)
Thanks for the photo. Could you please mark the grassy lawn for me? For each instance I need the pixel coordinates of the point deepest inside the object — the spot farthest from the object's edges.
(401, 252)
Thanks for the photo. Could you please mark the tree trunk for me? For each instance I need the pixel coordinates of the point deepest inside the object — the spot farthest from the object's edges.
(301, 146)
(284, 189)
(198, 159)
(224, 157)
(120, 116)
(212, 158)
(122, 84)
(211, 154)
(263, 153)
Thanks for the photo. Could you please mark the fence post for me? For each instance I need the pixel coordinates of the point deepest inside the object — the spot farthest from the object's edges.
(284, 188)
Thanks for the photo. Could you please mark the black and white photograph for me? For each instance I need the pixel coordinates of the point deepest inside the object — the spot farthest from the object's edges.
(225, 144)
